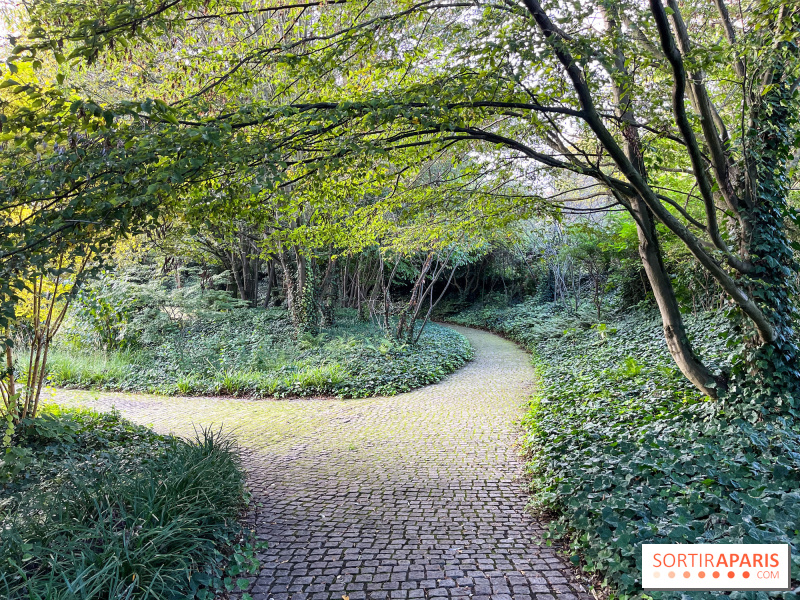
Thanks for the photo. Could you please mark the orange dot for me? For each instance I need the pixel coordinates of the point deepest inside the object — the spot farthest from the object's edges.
(686, 574)
(656, 575)
(746, 574)
(731, 574)
(702, 574)
(671, 574)
(716, 574)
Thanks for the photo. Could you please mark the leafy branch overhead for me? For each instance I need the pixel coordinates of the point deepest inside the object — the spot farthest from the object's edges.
(445, 119)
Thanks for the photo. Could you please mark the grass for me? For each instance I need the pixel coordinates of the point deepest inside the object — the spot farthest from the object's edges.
(255, 353)
(93, 506)
(624, 451)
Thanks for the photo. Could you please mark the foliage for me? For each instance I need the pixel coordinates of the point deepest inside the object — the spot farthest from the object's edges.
(43, 305)
(254, 352)
(624, 451)
(96, 507)
(412, 126)
(136, 305)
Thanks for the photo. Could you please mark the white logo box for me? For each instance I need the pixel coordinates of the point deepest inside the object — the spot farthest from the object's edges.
(692, 567)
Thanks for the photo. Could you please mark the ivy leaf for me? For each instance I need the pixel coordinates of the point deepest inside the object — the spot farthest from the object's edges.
(243, 583)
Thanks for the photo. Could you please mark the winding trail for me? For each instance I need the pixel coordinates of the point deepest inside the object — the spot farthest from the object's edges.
(415, 496)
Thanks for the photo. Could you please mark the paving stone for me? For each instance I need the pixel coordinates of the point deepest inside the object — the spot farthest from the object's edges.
(418, 496)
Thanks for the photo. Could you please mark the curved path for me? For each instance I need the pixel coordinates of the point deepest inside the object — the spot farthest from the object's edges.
(415, 496)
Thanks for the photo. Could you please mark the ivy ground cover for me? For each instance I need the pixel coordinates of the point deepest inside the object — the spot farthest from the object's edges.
(255, 352)
(624, 452)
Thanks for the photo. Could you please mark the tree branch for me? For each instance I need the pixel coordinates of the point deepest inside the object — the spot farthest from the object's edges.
(720, 161)
(682, 121)
(765, 329)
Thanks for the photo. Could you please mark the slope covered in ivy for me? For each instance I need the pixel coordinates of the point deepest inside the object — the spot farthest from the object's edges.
(624, 451)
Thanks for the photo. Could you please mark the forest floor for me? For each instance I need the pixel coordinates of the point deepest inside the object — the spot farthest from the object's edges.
(420, 495)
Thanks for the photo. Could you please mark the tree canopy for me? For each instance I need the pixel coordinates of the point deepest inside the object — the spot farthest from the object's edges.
(418, 124)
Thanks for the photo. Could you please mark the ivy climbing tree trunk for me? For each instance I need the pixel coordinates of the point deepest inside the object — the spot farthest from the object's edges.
(771, 368)
(300, 287)
(327, 294)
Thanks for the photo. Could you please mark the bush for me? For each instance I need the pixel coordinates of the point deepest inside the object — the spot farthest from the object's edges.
(96, 507)
(254, 352)
(625, 451)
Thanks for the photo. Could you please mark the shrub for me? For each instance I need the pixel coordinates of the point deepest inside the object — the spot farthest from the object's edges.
(95, 507)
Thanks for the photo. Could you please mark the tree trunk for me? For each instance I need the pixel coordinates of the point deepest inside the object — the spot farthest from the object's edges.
(270, 282)
(649, 251)
(237, 277)
(289, 287)
(327, 292)
(674, 331)
(405, 329)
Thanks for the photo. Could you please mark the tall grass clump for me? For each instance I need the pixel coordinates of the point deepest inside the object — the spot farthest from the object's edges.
(95, 507)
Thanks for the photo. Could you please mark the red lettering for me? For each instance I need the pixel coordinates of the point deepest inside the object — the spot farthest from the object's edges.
(693, 555)
(722, 561)
(734, 559)
(709, 560)
(671, 557)
(681, 560)
(774, 559)
(745, 561)
(657, 559)
(757, 561)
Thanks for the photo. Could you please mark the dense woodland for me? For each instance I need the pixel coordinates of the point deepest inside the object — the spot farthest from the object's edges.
(273, 199)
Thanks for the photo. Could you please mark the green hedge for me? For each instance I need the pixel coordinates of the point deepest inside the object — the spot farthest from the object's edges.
(625, 451)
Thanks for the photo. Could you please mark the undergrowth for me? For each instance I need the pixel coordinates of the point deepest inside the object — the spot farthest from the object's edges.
(254, 352)
(624, 451)
(94, 507)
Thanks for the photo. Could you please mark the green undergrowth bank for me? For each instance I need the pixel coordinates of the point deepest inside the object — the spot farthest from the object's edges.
(254, 352)
(92, 506)
(625, 451)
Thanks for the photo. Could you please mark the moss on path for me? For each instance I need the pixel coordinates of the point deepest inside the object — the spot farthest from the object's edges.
(414, 496)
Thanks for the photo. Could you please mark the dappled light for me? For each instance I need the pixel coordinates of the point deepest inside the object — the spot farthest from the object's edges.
(277, 245)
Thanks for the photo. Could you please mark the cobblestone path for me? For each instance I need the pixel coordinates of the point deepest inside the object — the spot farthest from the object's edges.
(415, 496)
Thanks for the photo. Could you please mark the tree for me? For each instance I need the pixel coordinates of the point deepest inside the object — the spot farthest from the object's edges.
(590, 254)
(56, 224)
(679, 113)
(45, 302)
